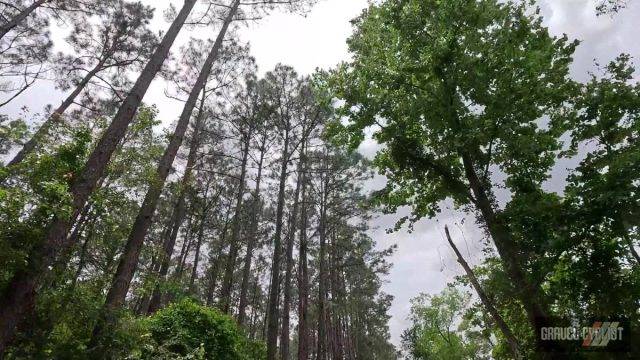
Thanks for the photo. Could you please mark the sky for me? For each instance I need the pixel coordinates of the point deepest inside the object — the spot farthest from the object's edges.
(423, 262)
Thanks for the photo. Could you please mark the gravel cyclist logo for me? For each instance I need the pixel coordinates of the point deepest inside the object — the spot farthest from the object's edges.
(600, 335)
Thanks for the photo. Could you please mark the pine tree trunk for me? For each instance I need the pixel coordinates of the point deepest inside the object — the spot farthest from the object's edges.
(181, 206)
(336, 297)
(255, 313)
(65, 258)
(200, 238)
(82, 259)
(488, 304)
(215, 258)
(184, 251)
(167, 253)
(286, 306)
(347, 319)
(274, 291)
(321, 353)
(20, 291)
(227, 282)
(253, 237)
(22, 15)
(154, 267)
(303, 274)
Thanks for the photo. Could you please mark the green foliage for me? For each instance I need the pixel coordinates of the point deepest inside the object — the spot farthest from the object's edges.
(35, 191)
(61, 325)
(187, 330)
(439, 330)
(453, 88)
(28, 203)
(602, 198)
(63, 322)
(439, 80)
(11, 133)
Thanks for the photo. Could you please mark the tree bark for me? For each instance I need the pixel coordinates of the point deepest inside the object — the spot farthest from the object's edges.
(274, 291)
(286, 306)
(184, 251)
(303, 274)
(82, 259)
(488, 304)
(253, 237)
(227, 282)
(21, 290)
(20, 17)
(214, 261)
(196, 256)
(321, 353)
(336, 297)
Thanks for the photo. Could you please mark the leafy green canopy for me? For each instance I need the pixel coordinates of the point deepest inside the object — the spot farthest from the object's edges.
(439, 79)
(598, 268)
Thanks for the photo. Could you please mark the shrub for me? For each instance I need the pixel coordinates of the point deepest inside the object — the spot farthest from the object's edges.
(188, 330)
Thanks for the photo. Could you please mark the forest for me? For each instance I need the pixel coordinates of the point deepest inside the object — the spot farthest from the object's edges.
(242, 228)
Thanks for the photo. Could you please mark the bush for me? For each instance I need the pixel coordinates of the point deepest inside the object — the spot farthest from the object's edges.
(61, 329)
(190, 331)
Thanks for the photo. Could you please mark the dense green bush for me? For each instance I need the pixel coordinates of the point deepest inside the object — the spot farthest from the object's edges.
(191, 331)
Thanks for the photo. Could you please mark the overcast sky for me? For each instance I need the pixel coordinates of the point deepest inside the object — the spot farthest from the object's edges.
(423, 262)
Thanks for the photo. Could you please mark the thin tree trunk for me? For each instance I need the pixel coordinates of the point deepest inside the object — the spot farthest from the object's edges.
(303, 274)
(83, 254)
(214, 261)
(632, 249)
(66, 257)
(55, 117)
(488, 304)
(186, 247)
(336, 296)
(196, 256)
(156, 262)
(253, 237)
(255, 299)
(286, 306)
(188, 238)
(22, 15)
(274, 291)
(181, 207)
(347, 319)
(196, 261)
(165, 262)
(20, 292)
(321, 353)
(227, 282)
